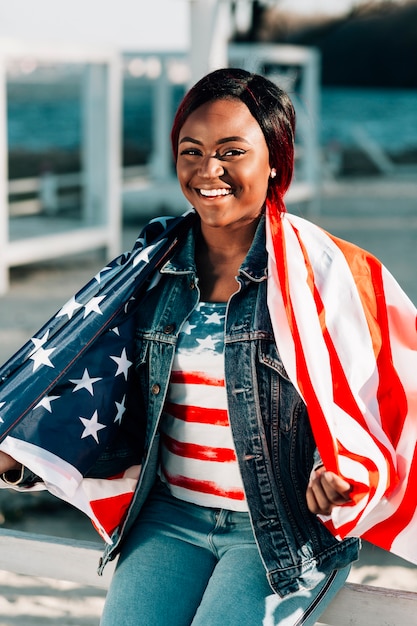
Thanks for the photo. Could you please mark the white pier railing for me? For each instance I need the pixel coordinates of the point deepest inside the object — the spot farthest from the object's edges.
(99, 223)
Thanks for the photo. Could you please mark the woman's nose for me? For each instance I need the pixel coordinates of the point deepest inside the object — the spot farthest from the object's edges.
(211, 167)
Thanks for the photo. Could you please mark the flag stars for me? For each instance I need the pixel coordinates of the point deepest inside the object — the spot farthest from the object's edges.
(123, 363)
(91, 427)
(143, 255)
(121, 408)
(38, 342)
(99, 276)
(41, 357)
(187, 328)
(69, 308)
(93, 305)
(207, 343)
(214, 318)
(46, 402)
(132, 299)
(86, 382)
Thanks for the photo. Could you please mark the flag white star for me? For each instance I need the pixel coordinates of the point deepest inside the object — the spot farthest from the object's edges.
(69, 308)
(120, 410)
(123, 363)
(143, 255)
(115, 330)
(2, 405)
(93, 305)
(187, 328)
(86, 382)
(91, 426)
(41, 357)
(38, 343)
(46, 402)
(208, 343)
(98, 276)
(163, 220)
(214, 318)
(128, 302)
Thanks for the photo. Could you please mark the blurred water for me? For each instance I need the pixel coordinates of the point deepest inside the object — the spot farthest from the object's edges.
(41, 118)
(389, 116)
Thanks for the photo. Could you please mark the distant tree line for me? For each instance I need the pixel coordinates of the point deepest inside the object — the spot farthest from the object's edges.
(374, 45)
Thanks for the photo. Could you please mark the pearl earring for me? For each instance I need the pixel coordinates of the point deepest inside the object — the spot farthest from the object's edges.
(273, 172)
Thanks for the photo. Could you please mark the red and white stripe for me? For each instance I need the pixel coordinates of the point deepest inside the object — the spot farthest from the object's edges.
(198, 459)
(347, 335)
(104, 500)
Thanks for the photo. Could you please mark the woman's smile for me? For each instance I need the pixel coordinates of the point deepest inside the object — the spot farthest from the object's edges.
(214, 193)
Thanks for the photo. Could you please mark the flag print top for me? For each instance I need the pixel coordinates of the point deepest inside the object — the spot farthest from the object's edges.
(198, 459)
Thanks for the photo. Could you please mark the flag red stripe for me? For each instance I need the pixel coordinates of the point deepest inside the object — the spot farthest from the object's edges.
(317, 417)
(199, 452)
(384, 534)
(391, 396)
(198, 414)
(195, 378)
(111, 511)
(204, 486)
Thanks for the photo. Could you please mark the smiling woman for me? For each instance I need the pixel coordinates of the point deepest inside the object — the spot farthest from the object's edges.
(247, 337)
(233, 142)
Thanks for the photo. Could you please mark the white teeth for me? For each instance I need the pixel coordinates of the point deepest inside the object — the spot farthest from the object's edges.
(211, 193)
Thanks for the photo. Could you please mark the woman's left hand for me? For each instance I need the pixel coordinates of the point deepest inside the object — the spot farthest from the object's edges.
(325, 491)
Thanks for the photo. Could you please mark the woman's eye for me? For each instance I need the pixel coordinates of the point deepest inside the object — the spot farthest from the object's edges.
(190, 152)
(233, 152)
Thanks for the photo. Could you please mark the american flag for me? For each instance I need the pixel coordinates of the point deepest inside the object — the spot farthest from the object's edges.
(64, 394)
(347, 335)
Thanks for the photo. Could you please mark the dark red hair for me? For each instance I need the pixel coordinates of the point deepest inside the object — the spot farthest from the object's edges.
(270, 106)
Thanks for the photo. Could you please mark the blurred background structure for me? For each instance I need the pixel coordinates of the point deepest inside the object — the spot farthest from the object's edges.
(87, 94)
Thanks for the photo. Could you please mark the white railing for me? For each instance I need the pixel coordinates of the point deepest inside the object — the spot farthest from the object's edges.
(99, 225)
(76, 561)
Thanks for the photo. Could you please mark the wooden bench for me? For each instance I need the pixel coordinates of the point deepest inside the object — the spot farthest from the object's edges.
(64, 559)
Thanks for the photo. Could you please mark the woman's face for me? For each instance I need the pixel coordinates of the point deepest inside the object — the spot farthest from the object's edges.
(223, 163)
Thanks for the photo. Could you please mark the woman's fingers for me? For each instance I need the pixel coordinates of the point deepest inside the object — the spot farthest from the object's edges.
(7, 463)
(325, 491)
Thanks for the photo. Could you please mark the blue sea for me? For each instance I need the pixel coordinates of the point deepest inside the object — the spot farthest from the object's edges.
(42, 119)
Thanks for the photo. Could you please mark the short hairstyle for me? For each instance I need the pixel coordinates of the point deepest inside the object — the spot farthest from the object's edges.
(269, 105)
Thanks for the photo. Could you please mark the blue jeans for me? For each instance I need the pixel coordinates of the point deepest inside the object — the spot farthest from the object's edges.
(184, 565)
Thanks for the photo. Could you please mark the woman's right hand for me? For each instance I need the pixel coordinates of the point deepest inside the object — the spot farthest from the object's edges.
(8, 463)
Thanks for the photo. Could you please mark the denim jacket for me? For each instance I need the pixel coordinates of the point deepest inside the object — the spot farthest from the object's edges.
(274, 444)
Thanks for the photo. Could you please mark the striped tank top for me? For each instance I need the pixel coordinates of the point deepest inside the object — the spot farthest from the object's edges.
(198, 460)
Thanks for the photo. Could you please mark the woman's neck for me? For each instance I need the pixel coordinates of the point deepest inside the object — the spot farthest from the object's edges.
(219, 255)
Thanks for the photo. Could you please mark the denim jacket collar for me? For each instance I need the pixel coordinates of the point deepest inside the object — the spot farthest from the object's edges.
(253, 268)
